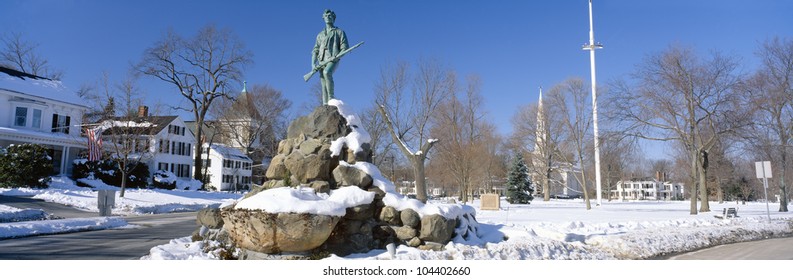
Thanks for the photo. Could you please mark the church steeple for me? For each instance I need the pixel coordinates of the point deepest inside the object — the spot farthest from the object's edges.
(541, 132)
(244, 87)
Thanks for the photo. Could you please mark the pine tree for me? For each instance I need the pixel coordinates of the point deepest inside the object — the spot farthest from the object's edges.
(518, 182)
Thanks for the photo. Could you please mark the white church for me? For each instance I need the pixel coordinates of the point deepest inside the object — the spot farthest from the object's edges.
(563, 183)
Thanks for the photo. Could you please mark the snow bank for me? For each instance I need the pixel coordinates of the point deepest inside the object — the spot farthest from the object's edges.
(13, 214)
(180, 249)
(305, 200)
(135, 201)
(20, 229)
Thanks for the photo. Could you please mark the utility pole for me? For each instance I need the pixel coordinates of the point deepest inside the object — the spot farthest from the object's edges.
(591, 47)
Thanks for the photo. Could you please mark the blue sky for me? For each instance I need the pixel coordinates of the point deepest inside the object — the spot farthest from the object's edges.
(514, 46)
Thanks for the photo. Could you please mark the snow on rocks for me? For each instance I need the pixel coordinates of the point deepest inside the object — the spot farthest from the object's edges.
(305, 200)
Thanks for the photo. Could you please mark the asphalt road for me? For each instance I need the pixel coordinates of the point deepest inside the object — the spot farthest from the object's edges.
(768, 249)
(127, 243)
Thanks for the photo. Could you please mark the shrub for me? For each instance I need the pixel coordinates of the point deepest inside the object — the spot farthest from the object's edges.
(164, 179)
(109, 172)
(25, 165)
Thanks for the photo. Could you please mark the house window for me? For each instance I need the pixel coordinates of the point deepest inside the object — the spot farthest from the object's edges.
(60, 123)
(236, 164)
(20, 119)
(36, 118)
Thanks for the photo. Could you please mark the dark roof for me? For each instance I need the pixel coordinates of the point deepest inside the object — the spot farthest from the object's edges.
(20, 74)
(160, 123)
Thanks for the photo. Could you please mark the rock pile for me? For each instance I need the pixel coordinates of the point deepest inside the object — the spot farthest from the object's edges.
(309, 157)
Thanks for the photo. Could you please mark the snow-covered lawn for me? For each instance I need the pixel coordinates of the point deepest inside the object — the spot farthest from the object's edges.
(563, 229)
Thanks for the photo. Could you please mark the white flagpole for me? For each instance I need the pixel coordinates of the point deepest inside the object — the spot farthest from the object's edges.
(592, 47)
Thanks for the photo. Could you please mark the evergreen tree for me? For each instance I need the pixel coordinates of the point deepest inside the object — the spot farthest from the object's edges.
(518, 182)
(25, 165)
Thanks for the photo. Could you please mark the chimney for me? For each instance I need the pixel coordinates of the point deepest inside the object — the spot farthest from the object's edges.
(143, 111)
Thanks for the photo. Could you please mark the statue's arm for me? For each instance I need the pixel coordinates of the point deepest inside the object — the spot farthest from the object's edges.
(343, 42)
(314, 54)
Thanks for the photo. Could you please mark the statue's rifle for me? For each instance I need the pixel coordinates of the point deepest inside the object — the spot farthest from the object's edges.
(322, 64)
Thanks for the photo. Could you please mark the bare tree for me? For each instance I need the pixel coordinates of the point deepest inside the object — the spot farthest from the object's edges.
(679, 97)
(460, 121)
(571, 100)
(254, 121)
(408, 115)
(128, 136)
(771, 88)
(22, 55)
(201, 68)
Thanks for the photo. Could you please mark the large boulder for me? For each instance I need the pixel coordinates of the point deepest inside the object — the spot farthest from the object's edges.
(346, 175)
(390, 216)
(324, 122)
(405, 232)
(436, 228)
(209, 217)
(277, 168)
(308, 168)
(410, 218)
(274, 233)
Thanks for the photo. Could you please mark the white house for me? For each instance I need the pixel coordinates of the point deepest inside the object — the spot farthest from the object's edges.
(228, 169)
(647, 189)
(41, 111)
(166, 145)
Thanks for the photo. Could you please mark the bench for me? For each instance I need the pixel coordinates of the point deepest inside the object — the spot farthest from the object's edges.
(730, 213)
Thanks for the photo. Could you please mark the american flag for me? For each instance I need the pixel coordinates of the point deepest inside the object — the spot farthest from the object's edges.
(94, 144)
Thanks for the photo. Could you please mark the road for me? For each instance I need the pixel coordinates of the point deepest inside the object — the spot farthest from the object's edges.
(128, 243)
(768, 249)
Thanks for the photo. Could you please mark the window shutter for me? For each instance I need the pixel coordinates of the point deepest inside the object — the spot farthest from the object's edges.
(68, 123)
(54, 122)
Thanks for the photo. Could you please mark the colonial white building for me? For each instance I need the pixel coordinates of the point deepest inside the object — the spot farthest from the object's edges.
(167, 144)
(228, 169)
(647, 189)
(41, 111)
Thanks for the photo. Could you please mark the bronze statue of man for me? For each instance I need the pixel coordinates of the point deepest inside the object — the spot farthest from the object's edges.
(331, 42)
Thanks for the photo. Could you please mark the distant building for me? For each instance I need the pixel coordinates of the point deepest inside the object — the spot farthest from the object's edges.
(228, 169)
(238, 130)
(168, 144)
(647, 189)
(41, 111)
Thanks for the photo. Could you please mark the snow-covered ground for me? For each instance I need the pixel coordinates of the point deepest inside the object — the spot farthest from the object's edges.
(557, 229)
(563, 229)
(29, 228)
(135, 201)
(15, 222)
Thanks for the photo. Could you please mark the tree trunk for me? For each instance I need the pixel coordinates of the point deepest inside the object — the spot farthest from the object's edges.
(782, 188)
(703, 183)
(199, 174)
(123, 182)
(546, 187)
(418, 174)
(693, 188)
